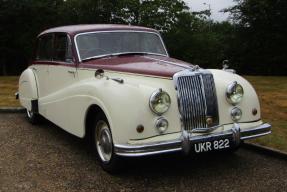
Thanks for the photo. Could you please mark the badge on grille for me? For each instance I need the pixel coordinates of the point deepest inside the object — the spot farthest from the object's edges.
(209, 121)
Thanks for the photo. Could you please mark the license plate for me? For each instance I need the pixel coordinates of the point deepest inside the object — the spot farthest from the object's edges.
(214, 145)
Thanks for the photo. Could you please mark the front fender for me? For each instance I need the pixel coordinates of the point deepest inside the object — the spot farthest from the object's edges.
(127, 105)
(250, 99)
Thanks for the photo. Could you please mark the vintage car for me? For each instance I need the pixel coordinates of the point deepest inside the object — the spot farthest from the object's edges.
(117, 86)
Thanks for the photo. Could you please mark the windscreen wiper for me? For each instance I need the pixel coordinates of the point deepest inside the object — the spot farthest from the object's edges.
(98, 57)
(131, 53)
(116, 55)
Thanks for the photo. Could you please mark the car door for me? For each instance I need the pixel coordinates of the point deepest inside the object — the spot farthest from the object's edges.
(40, 66)
(62, 76)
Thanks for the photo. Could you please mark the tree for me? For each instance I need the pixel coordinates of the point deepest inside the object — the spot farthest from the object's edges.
(22, 20)
(261, 30)
(158, 14)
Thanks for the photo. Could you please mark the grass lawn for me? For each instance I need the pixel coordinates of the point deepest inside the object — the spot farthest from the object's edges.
(272, 92)
(8, 88)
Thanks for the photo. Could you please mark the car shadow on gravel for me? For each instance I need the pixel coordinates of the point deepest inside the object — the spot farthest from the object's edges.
(166, 164)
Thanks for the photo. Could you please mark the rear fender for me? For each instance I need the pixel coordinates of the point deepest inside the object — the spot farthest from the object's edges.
(28, 90)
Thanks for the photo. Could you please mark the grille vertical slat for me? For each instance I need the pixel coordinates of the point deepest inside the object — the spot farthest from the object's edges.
(189, 115)
(197, 99)
(211, 100)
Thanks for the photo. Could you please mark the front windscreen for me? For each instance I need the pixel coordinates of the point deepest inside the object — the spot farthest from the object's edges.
(93, 45)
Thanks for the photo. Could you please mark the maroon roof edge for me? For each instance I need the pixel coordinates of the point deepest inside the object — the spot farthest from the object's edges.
(75, 29)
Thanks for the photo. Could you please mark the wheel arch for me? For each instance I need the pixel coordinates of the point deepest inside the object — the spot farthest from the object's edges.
(91, 112)
(28, 88)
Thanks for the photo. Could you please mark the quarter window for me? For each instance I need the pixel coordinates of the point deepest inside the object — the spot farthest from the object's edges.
(54, 47)
(45, 47)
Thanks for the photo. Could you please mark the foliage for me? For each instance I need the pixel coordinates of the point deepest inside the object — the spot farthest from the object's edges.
(255, 42)
(158, 14)
(261, 28)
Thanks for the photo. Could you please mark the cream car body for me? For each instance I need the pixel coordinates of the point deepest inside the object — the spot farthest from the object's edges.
(65, 91)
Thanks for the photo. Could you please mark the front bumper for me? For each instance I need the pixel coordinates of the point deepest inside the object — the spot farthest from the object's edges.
(186, 141)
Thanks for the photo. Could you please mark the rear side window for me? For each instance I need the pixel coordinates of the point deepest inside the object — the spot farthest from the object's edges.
(62, 48)
(45, 48)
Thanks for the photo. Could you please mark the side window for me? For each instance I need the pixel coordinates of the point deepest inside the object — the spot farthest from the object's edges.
(45, 48)
(62, 48)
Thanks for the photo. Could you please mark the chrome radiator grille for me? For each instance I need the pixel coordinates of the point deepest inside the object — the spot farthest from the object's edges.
(197, 101)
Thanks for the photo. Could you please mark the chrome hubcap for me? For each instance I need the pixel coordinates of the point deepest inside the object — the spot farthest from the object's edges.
(104, 141)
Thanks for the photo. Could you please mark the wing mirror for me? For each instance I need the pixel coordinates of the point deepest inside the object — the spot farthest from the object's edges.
(99, 73)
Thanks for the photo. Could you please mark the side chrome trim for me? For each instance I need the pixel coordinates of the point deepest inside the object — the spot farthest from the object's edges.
(186, 140)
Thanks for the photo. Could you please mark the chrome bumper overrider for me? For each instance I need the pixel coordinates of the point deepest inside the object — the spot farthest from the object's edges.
(186, 140)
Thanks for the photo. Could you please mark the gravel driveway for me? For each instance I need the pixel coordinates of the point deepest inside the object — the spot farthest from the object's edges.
(46, 158)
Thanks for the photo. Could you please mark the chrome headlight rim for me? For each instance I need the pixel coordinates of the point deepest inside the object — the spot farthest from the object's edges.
(153, 98)
(234, 89)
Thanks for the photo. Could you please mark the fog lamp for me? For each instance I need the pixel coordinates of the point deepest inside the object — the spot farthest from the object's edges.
(236, 114)
(161, 125)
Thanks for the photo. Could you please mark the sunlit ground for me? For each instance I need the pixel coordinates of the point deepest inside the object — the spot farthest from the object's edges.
(272, 92)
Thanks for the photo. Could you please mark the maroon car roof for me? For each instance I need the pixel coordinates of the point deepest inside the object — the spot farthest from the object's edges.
(75, 29)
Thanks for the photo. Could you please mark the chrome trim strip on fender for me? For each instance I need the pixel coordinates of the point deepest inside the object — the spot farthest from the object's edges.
(186, 140)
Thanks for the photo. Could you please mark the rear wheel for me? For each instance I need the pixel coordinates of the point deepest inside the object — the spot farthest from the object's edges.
(32, 117)
(103, 145)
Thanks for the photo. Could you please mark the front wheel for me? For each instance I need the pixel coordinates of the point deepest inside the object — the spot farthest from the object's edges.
(103, 145)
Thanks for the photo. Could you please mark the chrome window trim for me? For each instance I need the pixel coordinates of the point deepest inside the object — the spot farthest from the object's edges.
(69, 43)
(114, 31)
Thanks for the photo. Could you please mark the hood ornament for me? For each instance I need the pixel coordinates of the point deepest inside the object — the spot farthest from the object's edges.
(195, 68)
(225, 64)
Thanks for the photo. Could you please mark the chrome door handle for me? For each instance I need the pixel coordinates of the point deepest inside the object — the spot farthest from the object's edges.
(72, 72)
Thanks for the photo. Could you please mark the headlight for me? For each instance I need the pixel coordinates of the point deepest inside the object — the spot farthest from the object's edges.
(234, 93)
(159, 102)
